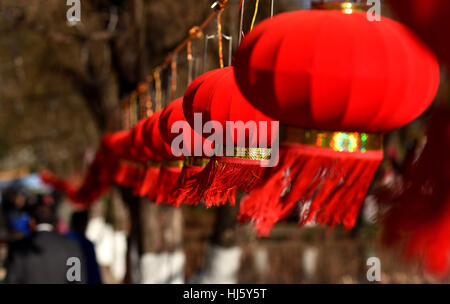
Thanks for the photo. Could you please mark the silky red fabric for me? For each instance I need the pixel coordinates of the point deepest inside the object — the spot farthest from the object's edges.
(334, 71)
(192, 93)
(138, 150)
(172, 114)
(429, 19)
(217, 97)
(153, 139)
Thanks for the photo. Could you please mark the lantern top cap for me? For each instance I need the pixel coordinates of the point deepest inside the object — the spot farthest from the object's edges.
(347, 7)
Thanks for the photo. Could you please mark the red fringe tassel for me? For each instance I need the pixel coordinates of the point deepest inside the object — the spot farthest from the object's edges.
(148, 184)
(165, 189)
(327, 187)
(129, 175)
(220, 179)
(184, 194)
(57, 183)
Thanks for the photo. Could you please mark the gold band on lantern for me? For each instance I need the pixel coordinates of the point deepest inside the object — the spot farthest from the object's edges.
(139, 165)
(173, 163)
(132, 163)
(345, 7)
(336, 141)
(152, 164)
(195, 161)
(250, 153)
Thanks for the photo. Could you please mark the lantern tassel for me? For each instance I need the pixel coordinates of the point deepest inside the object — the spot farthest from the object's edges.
(165, 188)
(220, 179)
(57, 183)
(129, 174)
(184, 193)
(83, 196)
(149, 182)
(328, 187)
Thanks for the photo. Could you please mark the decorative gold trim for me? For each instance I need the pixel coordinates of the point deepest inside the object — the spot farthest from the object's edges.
(173, 163)
(148, 164)
(345, 7)
(132, 163)
(152, 164)
(336, 141)
(196, 161)
(250, 153)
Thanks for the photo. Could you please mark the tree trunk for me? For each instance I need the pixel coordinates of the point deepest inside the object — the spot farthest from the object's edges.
(163, 259)
(223, 256)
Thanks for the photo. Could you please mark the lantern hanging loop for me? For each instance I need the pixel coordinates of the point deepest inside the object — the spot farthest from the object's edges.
(271, 8)
(205, 49)
(194, 32)
(254, 15)
(173, 76)
(219, 38)
(158, 93)
(241, 20)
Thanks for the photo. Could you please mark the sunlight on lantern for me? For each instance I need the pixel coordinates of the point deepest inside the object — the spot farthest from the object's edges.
(347, 8)
(344, 142)
(348, 11)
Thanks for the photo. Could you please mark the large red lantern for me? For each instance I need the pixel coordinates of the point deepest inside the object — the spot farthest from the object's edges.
(343, 80)
(429, 19)
(216, 96)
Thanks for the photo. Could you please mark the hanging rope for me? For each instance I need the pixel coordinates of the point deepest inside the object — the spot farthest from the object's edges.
(133, 109)
(254, 15)
(149, 103)
(271, 8)
(196, 33)
(158, 92)
(126, 124)
(241, 20)
(219, 38)
(145, 102)
(173, 75)
(132, 104)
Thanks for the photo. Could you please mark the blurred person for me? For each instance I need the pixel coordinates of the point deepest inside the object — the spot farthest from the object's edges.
(43, 258)
(16, 214)
(78, 225)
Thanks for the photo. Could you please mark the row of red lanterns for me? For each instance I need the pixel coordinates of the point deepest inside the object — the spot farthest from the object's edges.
(335, 81)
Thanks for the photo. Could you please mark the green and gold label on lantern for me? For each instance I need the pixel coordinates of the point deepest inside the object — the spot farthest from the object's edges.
(336, 141)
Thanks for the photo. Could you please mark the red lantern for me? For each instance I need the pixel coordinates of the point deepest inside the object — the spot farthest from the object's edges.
(327, 70)
(429, 19)
(100, 175)
(171, 116)
(147, 162)
(172, 165)
(215, 95)
(131, 163)
(335, 75)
